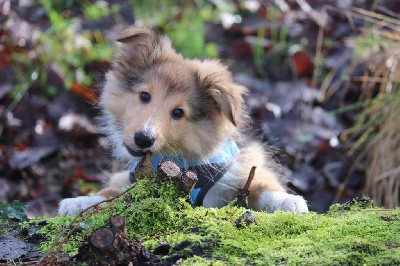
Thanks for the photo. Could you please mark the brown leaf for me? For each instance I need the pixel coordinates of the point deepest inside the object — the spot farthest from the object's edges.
(303, 63)
(85, 93)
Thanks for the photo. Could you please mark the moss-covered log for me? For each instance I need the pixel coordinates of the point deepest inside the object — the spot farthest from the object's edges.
(161, 218)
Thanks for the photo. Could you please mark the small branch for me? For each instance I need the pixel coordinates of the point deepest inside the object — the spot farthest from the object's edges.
(250, 178)
(241, 200)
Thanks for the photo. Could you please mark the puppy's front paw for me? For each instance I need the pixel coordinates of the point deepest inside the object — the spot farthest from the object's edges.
(75, 205)
(271, 201)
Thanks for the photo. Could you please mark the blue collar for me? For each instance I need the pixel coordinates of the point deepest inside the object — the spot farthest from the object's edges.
(223, 155)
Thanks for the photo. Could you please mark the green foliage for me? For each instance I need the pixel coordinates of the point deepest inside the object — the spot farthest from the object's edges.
(15, 210)
(63, 48)
(374, 113)
(278, 56)
(166, 11)
(376, 130)
(96, 11)
(377, 52)
(62, 5)
(182, 21)
(188, 36)
(258, 50)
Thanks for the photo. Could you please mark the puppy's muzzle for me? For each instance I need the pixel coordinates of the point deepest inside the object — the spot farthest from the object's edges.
(143, 140)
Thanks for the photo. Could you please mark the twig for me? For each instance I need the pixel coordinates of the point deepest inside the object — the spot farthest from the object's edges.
(351, 22)
(369, 16)
(318, 55)
(245, 191)
(376, 15)
(389, 12)
(387, 174)
(342, 186)
(283, 6)
(250, 178)
(321, 19)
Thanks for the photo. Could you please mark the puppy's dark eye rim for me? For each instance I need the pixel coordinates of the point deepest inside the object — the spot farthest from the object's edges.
(177, 113)
(145, 97)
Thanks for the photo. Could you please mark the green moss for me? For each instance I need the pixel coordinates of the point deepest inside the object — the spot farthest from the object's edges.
(349, 234)
(3, 226)
(199, 261)
(148, 209)
(300, 239)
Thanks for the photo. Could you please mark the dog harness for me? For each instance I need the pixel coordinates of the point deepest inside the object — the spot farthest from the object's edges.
(207, 173)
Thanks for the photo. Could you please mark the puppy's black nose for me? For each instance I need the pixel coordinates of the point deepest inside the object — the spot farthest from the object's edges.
(142, 140)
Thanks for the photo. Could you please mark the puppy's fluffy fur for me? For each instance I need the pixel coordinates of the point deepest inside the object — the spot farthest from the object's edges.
(148, 82)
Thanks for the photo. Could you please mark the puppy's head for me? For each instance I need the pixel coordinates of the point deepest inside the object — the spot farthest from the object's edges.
(155, 100)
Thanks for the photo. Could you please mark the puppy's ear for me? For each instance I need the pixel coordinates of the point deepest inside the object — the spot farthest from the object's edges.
(225, 103)
(143, 44)
(140, 47)
(140, 37)
(216, 82)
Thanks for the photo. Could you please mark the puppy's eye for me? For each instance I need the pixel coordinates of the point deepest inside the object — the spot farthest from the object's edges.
(145, 97)
(177, 113)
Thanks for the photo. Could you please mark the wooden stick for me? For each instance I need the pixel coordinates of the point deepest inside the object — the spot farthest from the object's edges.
(241, 199)
(250, 178)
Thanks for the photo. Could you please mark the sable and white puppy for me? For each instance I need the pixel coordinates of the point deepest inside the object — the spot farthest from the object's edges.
(188, 111)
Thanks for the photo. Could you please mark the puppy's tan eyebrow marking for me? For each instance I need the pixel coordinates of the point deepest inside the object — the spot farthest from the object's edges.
(176, 90)
(179, 82)
(131, 77)
(174, 85)
(133, 82)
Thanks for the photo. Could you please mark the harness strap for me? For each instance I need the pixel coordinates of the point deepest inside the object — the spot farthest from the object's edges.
(207, 176)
